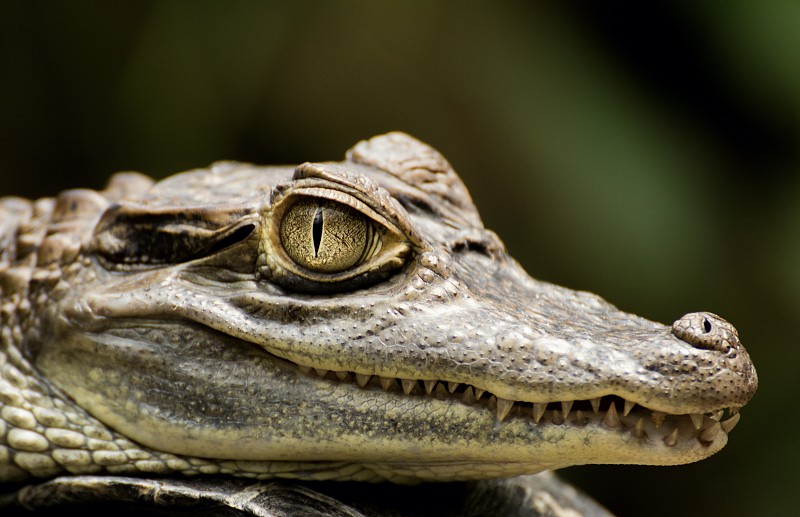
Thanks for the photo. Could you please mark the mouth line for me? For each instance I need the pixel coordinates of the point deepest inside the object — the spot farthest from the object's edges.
(612, 412)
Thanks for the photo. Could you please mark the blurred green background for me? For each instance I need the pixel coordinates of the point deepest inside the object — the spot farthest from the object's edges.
(649, 153)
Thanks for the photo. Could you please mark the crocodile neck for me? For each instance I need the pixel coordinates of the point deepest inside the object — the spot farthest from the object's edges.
(169, 328)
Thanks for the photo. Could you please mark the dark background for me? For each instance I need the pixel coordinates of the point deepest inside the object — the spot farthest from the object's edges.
(649, 154)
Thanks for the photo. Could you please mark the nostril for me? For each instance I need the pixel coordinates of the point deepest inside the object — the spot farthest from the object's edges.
(707, 331)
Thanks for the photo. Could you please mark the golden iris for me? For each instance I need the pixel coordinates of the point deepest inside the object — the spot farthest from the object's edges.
(324, 236)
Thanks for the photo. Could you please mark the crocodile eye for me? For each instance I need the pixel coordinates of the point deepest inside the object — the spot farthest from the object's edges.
(327, 237)
(318, 238)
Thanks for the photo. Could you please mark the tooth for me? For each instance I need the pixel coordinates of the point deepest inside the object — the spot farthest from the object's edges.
(386, 382)
(638, 429)
(709, 434)
(612, 418)
(362, 379)
(503, 407)
(408, 385)
(452, 386)
(342, 376)
(718, 415)
(565, 408)
(579, 418)
(733, 410)
(556, 417)
(304, 369)
(658, 418)
(429, 385)
(595, 404)
(440, 392)
(479, 393)
(468, 397)
(321, 372)
(538, 410)
(697, 420)
(628, 406)
(730, 423)
(672, 438)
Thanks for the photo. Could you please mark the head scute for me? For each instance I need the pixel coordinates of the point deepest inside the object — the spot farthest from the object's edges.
(419, 165)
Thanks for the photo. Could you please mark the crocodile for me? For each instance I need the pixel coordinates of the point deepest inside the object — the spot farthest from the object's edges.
(350, 321)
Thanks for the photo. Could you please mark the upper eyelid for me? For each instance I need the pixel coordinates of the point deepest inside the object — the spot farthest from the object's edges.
(339, 179)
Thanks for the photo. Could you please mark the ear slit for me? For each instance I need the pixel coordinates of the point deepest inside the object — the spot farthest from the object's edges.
(132, 235)
(238, 235)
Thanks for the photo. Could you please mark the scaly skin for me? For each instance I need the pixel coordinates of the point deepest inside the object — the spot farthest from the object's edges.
(163, 328)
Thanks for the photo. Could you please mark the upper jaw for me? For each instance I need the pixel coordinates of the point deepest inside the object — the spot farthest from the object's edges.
(466, 319)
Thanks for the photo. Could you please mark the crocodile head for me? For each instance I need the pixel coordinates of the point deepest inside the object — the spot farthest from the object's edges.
(355, 320)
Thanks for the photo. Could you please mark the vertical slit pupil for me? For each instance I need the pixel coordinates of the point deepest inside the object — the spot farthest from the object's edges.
(316, 230)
